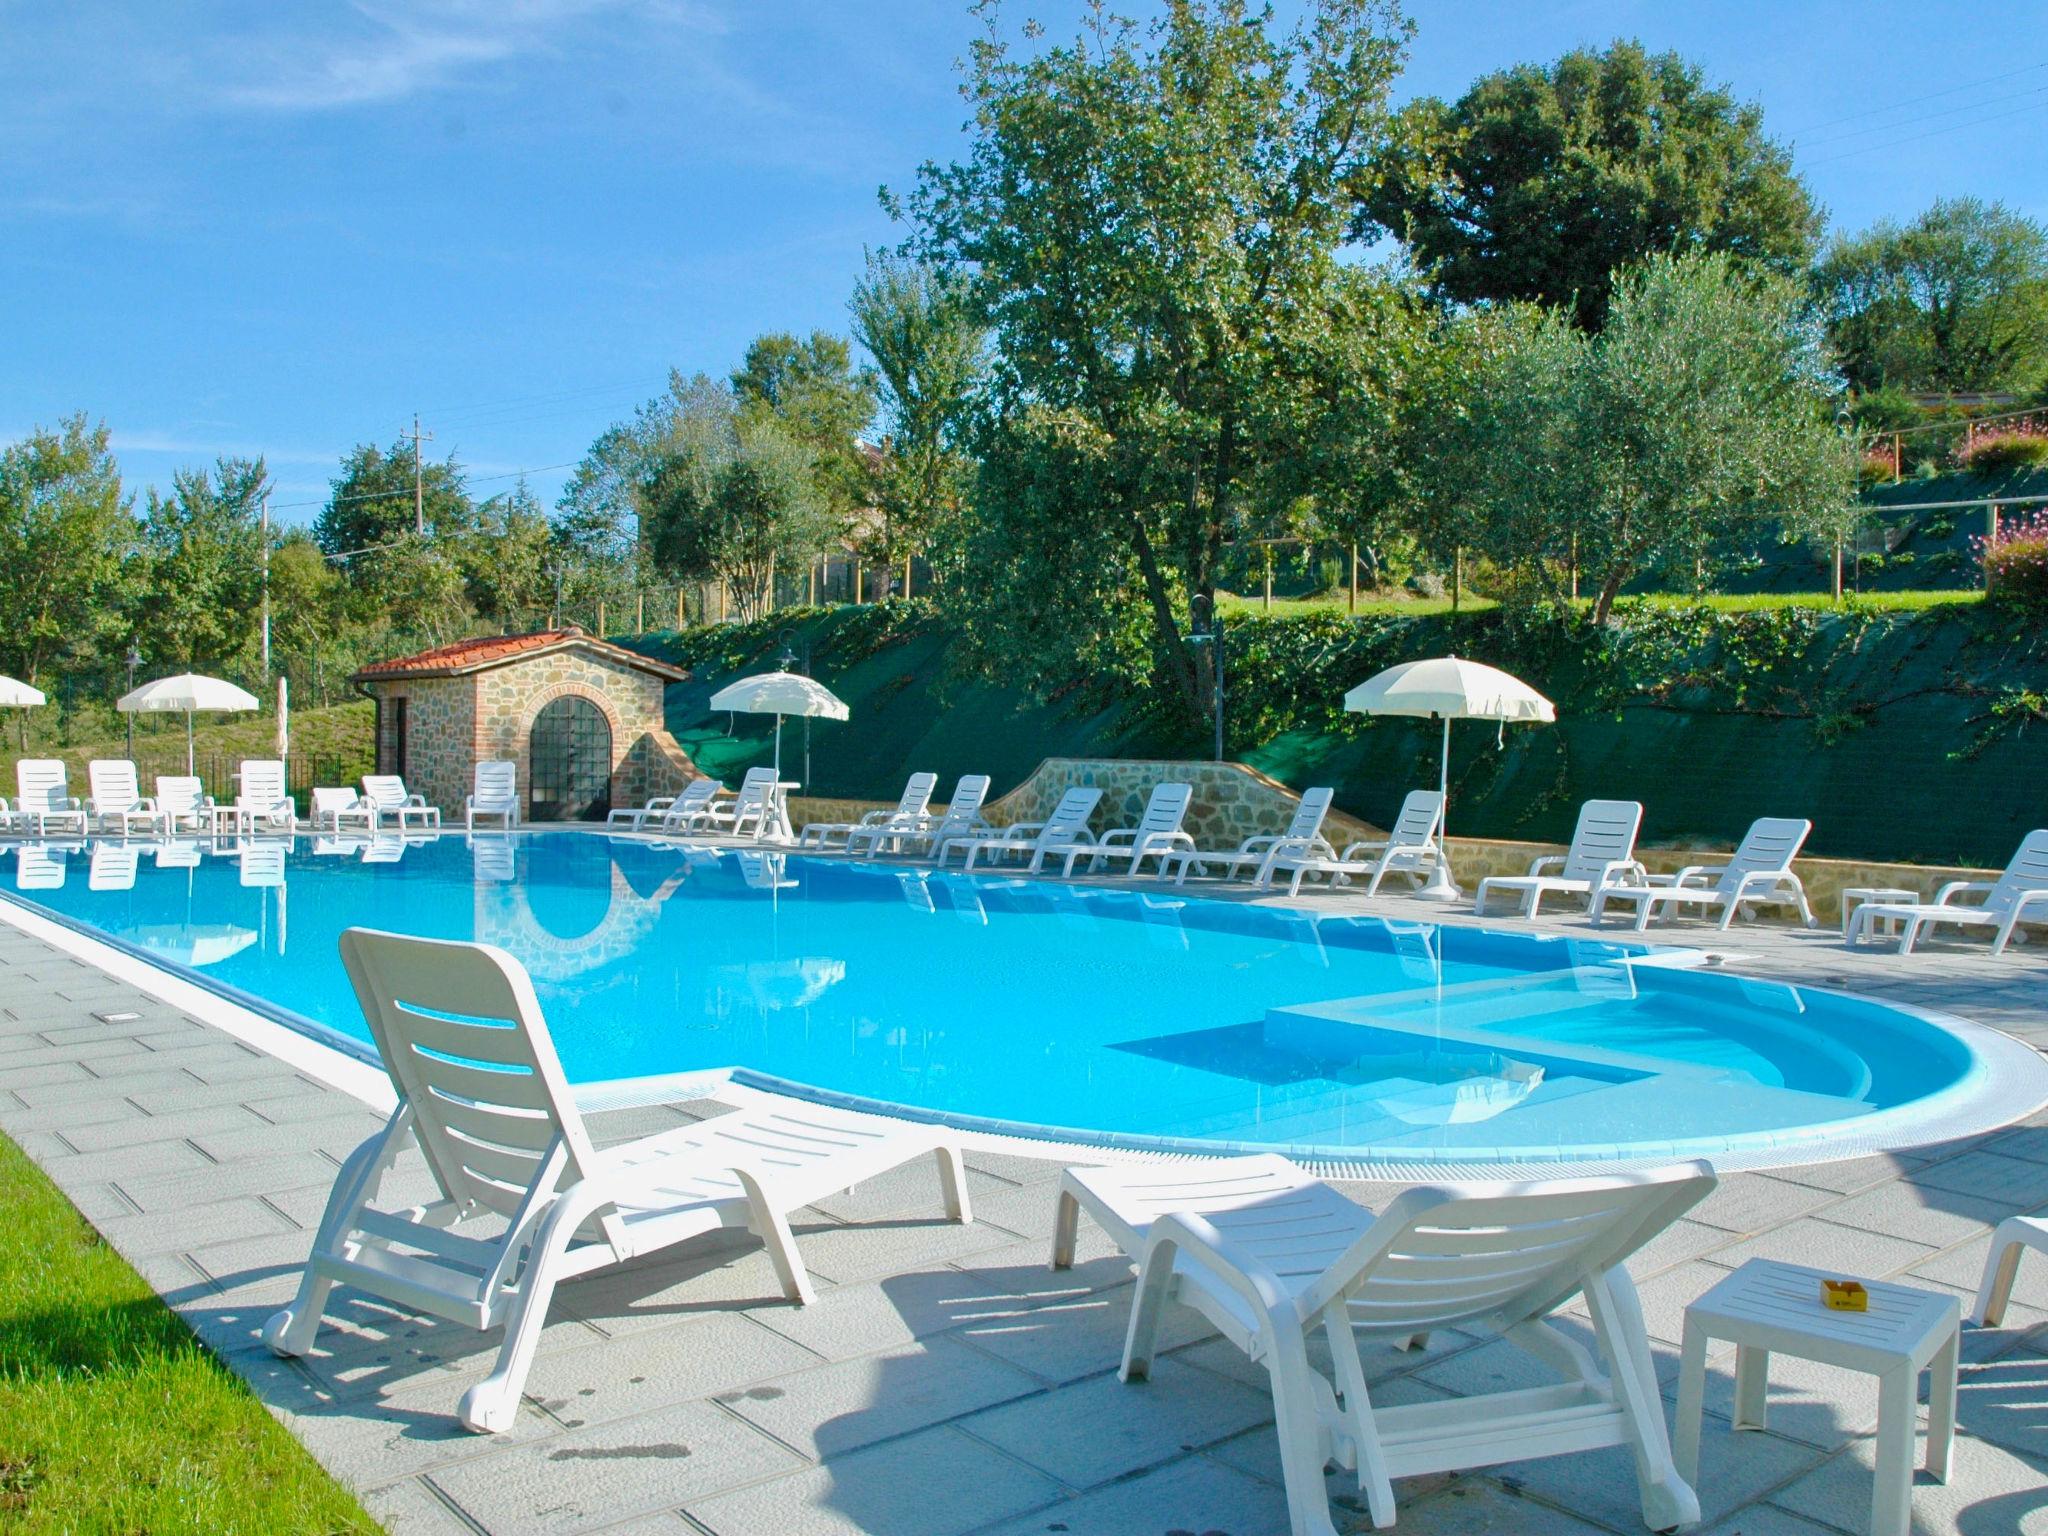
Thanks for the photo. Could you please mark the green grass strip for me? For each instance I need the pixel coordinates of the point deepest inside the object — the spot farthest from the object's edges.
(113, 1417)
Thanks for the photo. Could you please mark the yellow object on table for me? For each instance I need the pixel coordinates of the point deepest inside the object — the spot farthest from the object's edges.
(1845, 1295)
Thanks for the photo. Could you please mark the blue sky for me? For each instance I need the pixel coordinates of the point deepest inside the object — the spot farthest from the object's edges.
(247, 226)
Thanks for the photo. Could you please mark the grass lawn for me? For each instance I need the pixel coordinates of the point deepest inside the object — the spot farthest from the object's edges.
(1725, 602)
(336, 742)
(112, 1416)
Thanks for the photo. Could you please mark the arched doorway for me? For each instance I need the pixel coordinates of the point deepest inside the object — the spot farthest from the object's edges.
(571, 760)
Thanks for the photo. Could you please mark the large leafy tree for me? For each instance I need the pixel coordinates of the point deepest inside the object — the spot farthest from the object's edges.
(1955, 301)
(407, 585)
(1540, 182)
(810, 389)
(1151, 218)
(66, 541)
(203, 552)
(930, 350)
(510, 559)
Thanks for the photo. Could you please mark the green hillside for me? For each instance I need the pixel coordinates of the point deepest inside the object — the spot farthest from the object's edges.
(1917, 734)
(328, 746)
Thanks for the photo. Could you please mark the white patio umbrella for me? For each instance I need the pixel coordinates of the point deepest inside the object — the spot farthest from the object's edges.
(1449, 688)
(18, 695)
(779, 694)
(188, 691)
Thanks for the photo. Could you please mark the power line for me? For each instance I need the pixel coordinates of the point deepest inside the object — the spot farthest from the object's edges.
(1914, 101)
(1928, 117)
(467, 480)
(1931, 133)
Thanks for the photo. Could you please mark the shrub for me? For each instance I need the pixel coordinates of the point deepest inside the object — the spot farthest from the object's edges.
(2008, 451)
(2016, 561)
(1875, 467)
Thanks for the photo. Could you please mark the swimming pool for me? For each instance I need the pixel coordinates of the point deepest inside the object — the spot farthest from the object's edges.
(1155, 1020)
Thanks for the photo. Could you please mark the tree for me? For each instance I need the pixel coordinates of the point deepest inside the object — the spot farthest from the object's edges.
(929, 352)
(819, 401)
(732, 506)
(1956, 301)
(509, 559)
(66, 537)
(1539, 183)
(1708, 404)
(202, 595)
(410, 586)
(1150, 218)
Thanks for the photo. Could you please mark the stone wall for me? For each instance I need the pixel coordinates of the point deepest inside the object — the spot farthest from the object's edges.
(440, 723)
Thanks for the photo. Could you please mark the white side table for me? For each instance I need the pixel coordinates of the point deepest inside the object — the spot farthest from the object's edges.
(1766, 1306)
(1857, 895)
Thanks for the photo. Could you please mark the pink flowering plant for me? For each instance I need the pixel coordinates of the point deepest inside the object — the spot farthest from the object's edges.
(2022, 446)
(2016, 560)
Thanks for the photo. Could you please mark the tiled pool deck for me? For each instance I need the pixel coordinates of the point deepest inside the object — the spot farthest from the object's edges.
(947, 1381)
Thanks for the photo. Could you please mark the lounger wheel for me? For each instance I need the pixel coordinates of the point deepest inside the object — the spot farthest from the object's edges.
(488, 1408)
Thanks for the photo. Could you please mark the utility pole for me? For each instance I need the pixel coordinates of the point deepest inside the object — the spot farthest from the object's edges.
(419, 484)
(265, 523)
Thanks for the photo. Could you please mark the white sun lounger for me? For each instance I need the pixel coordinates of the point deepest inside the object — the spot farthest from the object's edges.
(331, 804)
(183, 803)
(482, 1094)
(962, 819)
(261, 802)
(494, 791)
(1412, 847)
(2019, 895)
(2002, 1266)
(664, 809)
(1065, 827)
(1602, 852)
(747, 814)
(43, 800)
(115, 801)
(1304, 837)
(1157, 834)
(912, 814)
(112, 867)
(1759, 872)
(1269, 1255)
(389, 800)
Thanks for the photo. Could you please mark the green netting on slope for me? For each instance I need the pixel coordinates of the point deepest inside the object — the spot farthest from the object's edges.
(1861, 726)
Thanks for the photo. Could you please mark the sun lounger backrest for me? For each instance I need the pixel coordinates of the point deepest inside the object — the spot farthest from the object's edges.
(1167, 808)
(263, 864)
(262, 783)
(1309, 815)
(112, 780)
(1771, 843)
(179, 794)
(755, 789)
(461, 1034)
(1070, 817)
(497, 781)
(41, 783)
(113, 867)
(2028, 871)
(38, 867)
(968, 795)
(1422, 813)
(1441, 1256)
(386, 791)
(1606, 834)
(916, 798)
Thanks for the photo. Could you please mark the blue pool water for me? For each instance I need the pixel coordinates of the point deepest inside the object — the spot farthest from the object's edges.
(1030, 1004)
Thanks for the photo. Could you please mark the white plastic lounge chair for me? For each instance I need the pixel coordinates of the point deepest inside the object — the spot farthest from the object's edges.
(2020, 895)
(962, 818)
(1759, 872)
(494, 791)
(332, 803)
(183, 804)
(116, 802)
(43, 800)
(262, 864)
(39, 867)
(912, 814)
(1157, 834)
(748, 814)
(1602, 852)
(1067, 826)
(1304, 837)
(698, 793)
(1411, 847)
(390, 801)
(2002, 1266)
(1269, 1255)
(481, 1091)
(261, 803)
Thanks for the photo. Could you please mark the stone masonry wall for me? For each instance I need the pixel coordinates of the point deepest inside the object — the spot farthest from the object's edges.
(646, 759)
(439, 725)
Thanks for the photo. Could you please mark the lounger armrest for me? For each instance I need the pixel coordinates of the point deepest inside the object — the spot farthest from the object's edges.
(1116, 835)
(1375, 845)
(1691, 875)
(1188, 1235)
(1948, 893)
(1538, 866)
(2026, 899)
(1621, 872)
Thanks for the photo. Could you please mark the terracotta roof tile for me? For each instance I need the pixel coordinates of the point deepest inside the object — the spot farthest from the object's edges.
(491, 650)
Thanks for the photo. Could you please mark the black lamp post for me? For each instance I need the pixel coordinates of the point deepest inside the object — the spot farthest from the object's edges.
(1206, 625)
(134, 661)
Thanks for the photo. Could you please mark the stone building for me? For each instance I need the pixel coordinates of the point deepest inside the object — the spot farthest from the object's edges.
(581, 717)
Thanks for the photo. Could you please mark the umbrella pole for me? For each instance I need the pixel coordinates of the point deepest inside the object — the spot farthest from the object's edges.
(1441, 886)
(188, 743)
